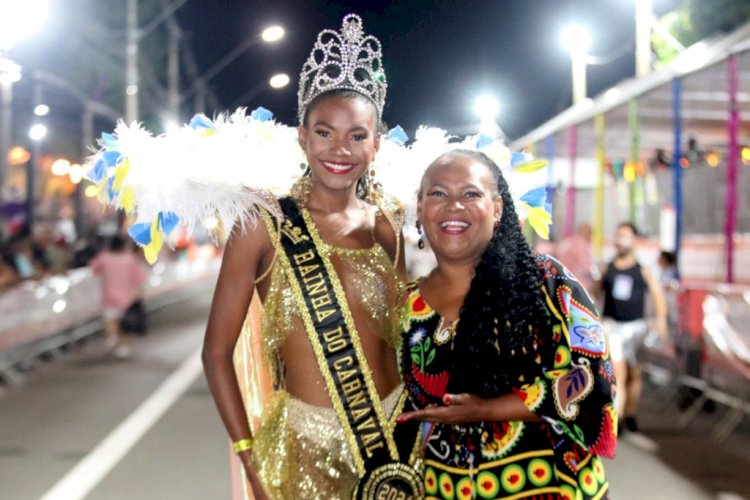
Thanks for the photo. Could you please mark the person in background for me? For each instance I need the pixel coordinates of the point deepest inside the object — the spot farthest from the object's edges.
(8, 275)
(668, 269)
(28, 258)
(122, 277)
(574, 252)
(624, 285)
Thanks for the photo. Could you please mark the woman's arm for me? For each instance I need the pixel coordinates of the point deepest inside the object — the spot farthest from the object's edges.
(575, 393)
(468, 408)
(656, 292)
(247, 250)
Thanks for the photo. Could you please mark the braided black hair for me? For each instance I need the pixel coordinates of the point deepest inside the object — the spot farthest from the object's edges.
(498, 337)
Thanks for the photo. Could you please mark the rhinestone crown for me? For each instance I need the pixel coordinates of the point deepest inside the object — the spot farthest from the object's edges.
(346, 60)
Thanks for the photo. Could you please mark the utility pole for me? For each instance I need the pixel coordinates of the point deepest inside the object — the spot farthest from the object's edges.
(643, 18)
(6, 118)
(10, 72)
(131, 62)
(87, 138)
(173, 65)
(32, 168)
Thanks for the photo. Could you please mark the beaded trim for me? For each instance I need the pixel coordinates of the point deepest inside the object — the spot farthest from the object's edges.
(348, 59)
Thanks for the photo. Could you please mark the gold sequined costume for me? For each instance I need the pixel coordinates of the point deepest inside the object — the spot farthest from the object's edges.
(300, 450)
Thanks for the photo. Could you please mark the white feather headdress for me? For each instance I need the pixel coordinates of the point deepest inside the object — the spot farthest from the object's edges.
(229, 167)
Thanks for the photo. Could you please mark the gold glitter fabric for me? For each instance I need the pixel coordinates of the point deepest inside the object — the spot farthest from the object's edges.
(300, 450)
(372, 289)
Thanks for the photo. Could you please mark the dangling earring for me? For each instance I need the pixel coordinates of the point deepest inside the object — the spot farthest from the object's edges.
(301, 188)
(420, 241)
(373, 194)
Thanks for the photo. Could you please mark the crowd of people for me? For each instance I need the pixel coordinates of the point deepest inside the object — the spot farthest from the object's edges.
(27, 256)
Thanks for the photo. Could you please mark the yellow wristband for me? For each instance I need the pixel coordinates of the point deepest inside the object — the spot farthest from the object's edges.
(243, 445)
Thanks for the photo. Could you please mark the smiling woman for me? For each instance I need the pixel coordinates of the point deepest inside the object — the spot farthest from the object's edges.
(339, 135)
(327, 265)
(503, 354)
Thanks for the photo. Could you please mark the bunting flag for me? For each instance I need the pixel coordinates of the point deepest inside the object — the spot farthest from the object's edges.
(730, 212)
(599, 126)
(570, 198)
(676, 169)
(635, 153)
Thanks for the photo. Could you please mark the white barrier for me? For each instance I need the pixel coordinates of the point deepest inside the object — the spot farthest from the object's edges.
(35, 311)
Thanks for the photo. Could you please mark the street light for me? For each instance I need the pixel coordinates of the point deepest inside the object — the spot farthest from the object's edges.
(20, 19)
(576, 39)
(279, 81)
(269, 35)
(17, 20)
(37, 132)
(41, 110)
(272, 34)
(487, 107)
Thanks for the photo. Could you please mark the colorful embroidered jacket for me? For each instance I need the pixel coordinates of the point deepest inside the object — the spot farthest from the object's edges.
(554, 457)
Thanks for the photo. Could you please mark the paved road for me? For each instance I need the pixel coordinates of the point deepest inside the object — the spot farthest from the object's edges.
(88, 426)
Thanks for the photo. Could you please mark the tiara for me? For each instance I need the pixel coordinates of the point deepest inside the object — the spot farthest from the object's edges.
(346, 60)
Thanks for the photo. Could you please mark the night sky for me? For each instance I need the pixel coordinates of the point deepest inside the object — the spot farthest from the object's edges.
(438, 55)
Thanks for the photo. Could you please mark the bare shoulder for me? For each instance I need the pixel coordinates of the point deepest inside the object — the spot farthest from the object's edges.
(249, 250)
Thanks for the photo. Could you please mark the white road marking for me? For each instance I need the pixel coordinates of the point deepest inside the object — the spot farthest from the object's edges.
(77, 483)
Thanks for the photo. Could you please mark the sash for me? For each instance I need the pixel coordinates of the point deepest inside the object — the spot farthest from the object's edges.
(383, 466)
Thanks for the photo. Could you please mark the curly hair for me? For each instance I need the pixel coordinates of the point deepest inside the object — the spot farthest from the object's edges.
(498, 337)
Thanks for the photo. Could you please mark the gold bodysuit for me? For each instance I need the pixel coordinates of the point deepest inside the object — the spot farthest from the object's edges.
(300, 450)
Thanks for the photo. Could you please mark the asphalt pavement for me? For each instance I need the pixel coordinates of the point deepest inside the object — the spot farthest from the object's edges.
(86, 425)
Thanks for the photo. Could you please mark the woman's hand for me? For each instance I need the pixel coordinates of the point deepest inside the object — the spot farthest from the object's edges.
(459, 409)
(258, 492)
(468, 408)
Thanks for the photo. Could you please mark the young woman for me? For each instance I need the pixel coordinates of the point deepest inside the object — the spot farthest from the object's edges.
(330, 255)
(502, 351)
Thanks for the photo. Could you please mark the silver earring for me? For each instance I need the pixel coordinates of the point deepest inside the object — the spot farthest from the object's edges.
(420, 241)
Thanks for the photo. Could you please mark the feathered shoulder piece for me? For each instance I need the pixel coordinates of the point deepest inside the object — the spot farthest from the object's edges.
(228, 168)
(221, 169)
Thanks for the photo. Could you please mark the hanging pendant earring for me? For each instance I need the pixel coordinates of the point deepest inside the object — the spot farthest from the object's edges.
(420, 241)
(374, 193)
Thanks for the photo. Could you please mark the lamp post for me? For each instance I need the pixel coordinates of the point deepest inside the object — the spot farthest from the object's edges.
(576, 39)
(10, 73)
(17, 19)
(269, 35)
(37, 133)
(643, 16)
(487, 107)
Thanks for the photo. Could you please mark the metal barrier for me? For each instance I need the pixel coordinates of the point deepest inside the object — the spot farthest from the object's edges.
(711, 354)
(38, 318)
